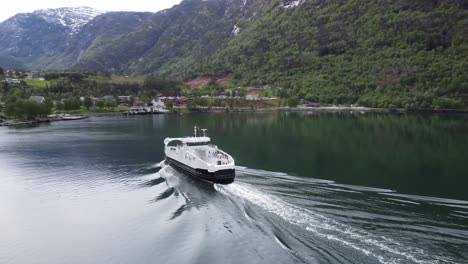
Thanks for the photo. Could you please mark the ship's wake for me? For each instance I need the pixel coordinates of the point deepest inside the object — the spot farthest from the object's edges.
(381, 248)
(312, 226)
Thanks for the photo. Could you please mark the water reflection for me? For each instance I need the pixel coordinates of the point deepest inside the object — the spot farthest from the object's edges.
(411, 153)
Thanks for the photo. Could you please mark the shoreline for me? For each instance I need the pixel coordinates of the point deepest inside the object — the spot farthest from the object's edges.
(333, 109)
(19, 123)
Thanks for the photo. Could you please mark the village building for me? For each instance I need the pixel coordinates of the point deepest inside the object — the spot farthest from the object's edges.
(124, 100)
(11, 81)
(158, 104)
(37, 99)
(108, 98)
(139, 103)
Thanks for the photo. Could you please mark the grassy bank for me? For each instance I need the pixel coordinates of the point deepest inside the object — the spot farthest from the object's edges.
(84, 111)
(36, 83)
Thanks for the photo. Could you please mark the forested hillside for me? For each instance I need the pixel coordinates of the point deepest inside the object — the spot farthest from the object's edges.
(383, 53)
(410, 54)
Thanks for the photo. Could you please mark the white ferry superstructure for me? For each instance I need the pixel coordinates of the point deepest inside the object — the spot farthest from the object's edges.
(196, 157)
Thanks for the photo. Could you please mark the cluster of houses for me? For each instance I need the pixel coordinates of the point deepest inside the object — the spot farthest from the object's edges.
(157, 105)
(249, 97)
(11, 81)
(34, 75)
(183, 100)
(259, 88)
(13, 77)
(137, 106)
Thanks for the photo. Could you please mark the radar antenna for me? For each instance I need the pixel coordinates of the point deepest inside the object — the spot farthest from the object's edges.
(204, 132)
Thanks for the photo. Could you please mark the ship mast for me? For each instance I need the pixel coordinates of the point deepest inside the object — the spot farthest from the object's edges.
(195, 128)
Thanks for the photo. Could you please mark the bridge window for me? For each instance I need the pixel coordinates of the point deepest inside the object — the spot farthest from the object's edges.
(197, 144)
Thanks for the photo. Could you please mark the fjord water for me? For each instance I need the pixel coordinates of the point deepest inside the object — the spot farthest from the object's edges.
(310, 188)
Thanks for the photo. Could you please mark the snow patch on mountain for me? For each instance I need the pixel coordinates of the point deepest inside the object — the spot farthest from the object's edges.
(74, 18)
(236, 30)
(292, 4)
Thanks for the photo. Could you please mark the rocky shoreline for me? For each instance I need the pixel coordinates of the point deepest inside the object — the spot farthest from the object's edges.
(15, 123)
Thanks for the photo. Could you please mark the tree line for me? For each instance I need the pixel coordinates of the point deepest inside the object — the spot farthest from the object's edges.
(20, 108)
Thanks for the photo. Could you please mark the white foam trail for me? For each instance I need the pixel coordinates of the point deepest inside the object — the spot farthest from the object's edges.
(257, 172)
(363, 188)
(329, 229)
(403, 201)
(169, 174)
(281, 244)
(280, 175)
(160, 164)
(157, 165)
(429, 199)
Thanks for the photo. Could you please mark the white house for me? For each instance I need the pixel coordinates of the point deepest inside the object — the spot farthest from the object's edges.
(159, 106)
(11, 81)
(37, 99)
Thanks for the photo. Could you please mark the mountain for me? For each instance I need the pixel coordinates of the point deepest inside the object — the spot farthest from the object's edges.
(72, 18)
(32, 39)
(167, 41)
(386, 53)
(93, 43)
(119, 41)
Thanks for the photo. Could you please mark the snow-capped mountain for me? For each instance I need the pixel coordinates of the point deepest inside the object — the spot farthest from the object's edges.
(73, 18)
(39, 37)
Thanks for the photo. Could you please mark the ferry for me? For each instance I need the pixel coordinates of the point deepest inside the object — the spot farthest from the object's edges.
(196, 157)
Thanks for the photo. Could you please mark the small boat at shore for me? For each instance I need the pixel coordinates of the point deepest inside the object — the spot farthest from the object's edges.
(196, 157)
(67, 117)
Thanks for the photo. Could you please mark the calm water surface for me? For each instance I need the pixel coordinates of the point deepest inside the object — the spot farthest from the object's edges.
(311, 188)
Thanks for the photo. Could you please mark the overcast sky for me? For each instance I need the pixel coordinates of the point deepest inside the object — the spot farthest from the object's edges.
(12, 7)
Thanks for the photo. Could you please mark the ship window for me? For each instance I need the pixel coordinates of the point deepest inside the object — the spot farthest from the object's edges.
(197, 144)
(175, 143)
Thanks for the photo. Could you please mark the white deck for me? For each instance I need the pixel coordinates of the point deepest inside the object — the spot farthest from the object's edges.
(204, 156)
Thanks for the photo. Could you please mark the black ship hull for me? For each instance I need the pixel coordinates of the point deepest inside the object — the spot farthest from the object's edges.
(220, 177)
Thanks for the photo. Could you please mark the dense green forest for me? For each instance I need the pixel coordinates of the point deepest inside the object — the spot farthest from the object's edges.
(392, 54)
